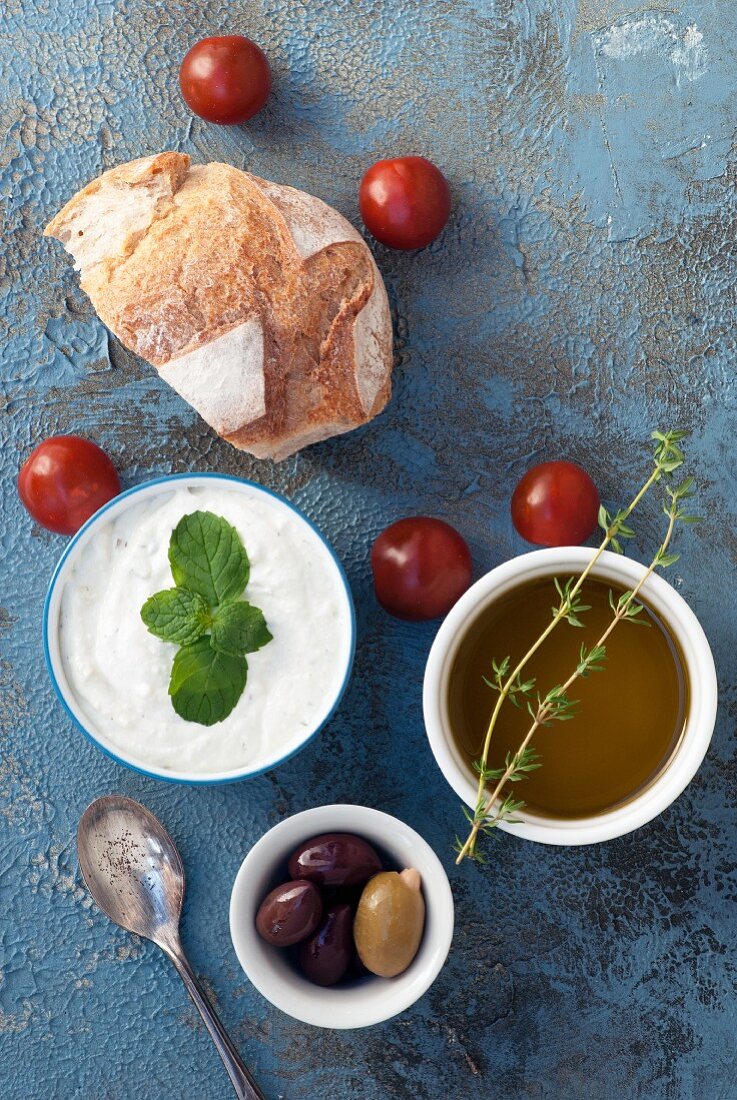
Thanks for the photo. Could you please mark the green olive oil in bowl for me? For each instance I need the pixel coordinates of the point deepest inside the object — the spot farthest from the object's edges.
(628, 721)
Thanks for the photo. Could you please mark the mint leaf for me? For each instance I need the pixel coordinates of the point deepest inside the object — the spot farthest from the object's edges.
(238, 628)
(176, 615)
(205, 684)
(207, 556)
(210, 567)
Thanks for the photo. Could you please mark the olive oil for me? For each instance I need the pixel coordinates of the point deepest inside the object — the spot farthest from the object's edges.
(630, 715)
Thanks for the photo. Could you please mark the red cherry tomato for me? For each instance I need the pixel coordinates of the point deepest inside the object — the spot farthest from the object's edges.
(64, 481)
(555, 504)
(421, 567)
(225, 79)
(404, 202)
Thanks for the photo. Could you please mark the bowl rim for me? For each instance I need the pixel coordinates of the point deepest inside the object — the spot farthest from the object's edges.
(334, 1007)
(185, 778)
(699, 723)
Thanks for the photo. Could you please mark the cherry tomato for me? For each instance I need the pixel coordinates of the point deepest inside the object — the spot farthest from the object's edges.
(225, 79)
(421, 567)
(555, 504)
(404, 202)
(64, 481)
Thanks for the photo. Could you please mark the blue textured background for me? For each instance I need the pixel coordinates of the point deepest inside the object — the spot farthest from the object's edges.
(582, 294)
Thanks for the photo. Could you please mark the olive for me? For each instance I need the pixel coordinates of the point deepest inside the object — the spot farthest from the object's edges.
(326, 956)
(389, 922)
(335, 859)
(290, 913)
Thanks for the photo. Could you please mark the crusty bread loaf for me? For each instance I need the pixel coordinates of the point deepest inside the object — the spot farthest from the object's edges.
(261, 305)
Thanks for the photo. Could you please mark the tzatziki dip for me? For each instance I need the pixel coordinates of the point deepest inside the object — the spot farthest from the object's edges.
(117, 673)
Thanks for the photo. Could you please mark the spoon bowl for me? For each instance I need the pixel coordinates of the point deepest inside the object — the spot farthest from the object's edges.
(131, 866)
(133, 871)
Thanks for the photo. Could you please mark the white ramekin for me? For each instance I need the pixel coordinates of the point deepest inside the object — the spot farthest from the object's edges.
(367, 1000)
(699, 667)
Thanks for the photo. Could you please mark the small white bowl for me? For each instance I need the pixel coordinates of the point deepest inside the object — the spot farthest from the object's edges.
(51, 632)
(364, 1001)
(699, 668)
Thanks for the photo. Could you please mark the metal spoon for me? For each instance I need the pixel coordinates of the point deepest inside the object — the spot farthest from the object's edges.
(134, 873)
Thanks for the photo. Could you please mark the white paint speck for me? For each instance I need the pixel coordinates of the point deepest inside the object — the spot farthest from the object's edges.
(653, 33)
(690, 53)
(633, 37)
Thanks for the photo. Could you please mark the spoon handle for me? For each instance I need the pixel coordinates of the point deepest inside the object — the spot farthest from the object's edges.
(244, 1085)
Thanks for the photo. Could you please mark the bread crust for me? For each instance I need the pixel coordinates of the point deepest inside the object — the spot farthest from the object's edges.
(261, 304)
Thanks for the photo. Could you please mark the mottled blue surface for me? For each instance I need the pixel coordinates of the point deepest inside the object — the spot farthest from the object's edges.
(582, 294)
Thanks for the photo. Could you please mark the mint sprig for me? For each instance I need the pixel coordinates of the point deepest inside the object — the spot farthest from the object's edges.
(206, 618)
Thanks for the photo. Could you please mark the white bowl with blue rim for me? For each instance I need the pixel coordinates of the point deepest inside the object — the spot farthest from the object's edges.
(113, 741)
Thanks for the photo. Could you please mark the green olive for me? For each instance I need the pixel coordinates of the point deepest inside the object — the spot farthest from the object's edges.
(389, 922)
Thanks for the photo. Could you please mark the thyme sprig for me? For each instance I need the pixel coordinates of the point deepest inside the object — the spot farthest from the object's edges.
(556, 704)
(514, 689)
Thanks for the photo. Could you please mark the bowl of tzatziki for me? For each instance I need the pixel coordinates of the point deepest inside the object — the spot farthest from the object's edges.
(116, 678)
